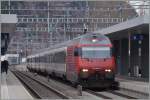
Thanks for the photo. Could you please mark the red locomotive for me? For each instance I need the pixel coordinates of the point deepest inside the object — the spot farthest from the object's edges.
(86, 60)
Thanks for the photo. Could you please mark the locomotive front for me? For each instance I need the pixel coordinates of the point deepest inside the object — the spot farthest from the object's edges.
(96, 64)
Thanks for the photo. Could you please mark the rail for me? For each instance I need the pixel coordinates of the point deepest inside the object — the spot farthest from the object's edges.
(25, 79)
(108, 97)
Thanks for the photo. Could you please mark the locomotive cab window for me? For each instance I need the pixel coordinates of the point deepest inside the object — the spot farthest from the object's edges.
(77, 52)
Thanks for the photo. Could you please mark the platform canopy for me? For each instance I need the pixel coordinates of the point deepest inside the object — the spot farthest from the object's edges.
(121, 30)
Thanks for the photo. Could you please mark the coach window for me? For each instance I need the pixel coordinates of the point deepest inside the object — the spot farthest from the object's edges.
(39, 59)
(31, 60)
(35, 59)
(45, 56)
(49, 59)
(55, 58)
(76, 52)
(28, 60)
(60, 57)
(52, 59)
(43, 59)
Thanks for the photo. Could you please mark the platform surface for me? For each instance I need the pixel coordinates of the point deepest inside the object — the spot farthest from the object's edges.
(134, 85)
(12, 89)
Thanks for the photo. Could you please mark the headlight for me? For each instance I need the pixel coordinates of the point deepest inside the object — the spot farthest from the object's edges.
(107, 70)
(85, 70)
(94, 40)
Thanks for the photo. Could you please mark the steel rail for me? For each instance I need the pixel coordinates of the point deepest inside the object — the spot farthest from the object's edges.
(60, 94)
(49, 87)
(30, 88)
(112, 92)
(97, 94)
(122, 95)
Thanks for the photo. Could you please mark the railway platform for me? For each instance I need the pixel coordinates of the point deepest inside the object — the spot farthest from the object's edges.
(11, 88)
(138, 86)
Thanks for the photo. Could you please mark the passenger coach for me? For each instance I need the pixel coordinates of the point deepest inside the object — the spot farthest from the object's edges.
(86, 60)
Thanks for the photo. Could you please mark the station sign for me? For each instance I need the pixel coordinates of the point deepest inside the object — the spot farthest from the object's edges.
(137, 37)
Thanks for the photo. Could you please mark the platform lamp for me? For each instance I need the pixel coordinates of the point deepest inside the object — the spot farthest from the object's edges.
(129, 52)
(139, 51)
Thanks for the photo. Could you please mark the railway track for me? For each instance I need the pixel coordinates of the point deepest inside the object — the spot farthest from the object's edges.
(39, 89)
(97, 94)
(68, 92)
(110, 94)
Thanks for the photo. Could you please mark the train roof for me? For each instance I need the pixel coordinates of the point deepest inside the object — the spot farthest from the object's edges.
(80, 39)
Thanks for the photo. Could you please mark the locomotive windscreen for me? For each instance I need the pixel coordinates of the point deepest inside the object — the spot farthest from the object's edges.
(96, 52)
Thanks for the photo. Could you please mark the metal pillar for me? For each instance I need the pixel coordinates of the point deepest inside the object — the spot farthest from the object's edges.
(119, 57)
(129, 52)
(139, 50)
(139, 54)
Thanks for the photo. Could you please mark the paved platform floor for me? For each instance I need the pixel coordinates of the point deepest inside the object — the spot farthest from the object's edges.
(12, 89)
(134, 85)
